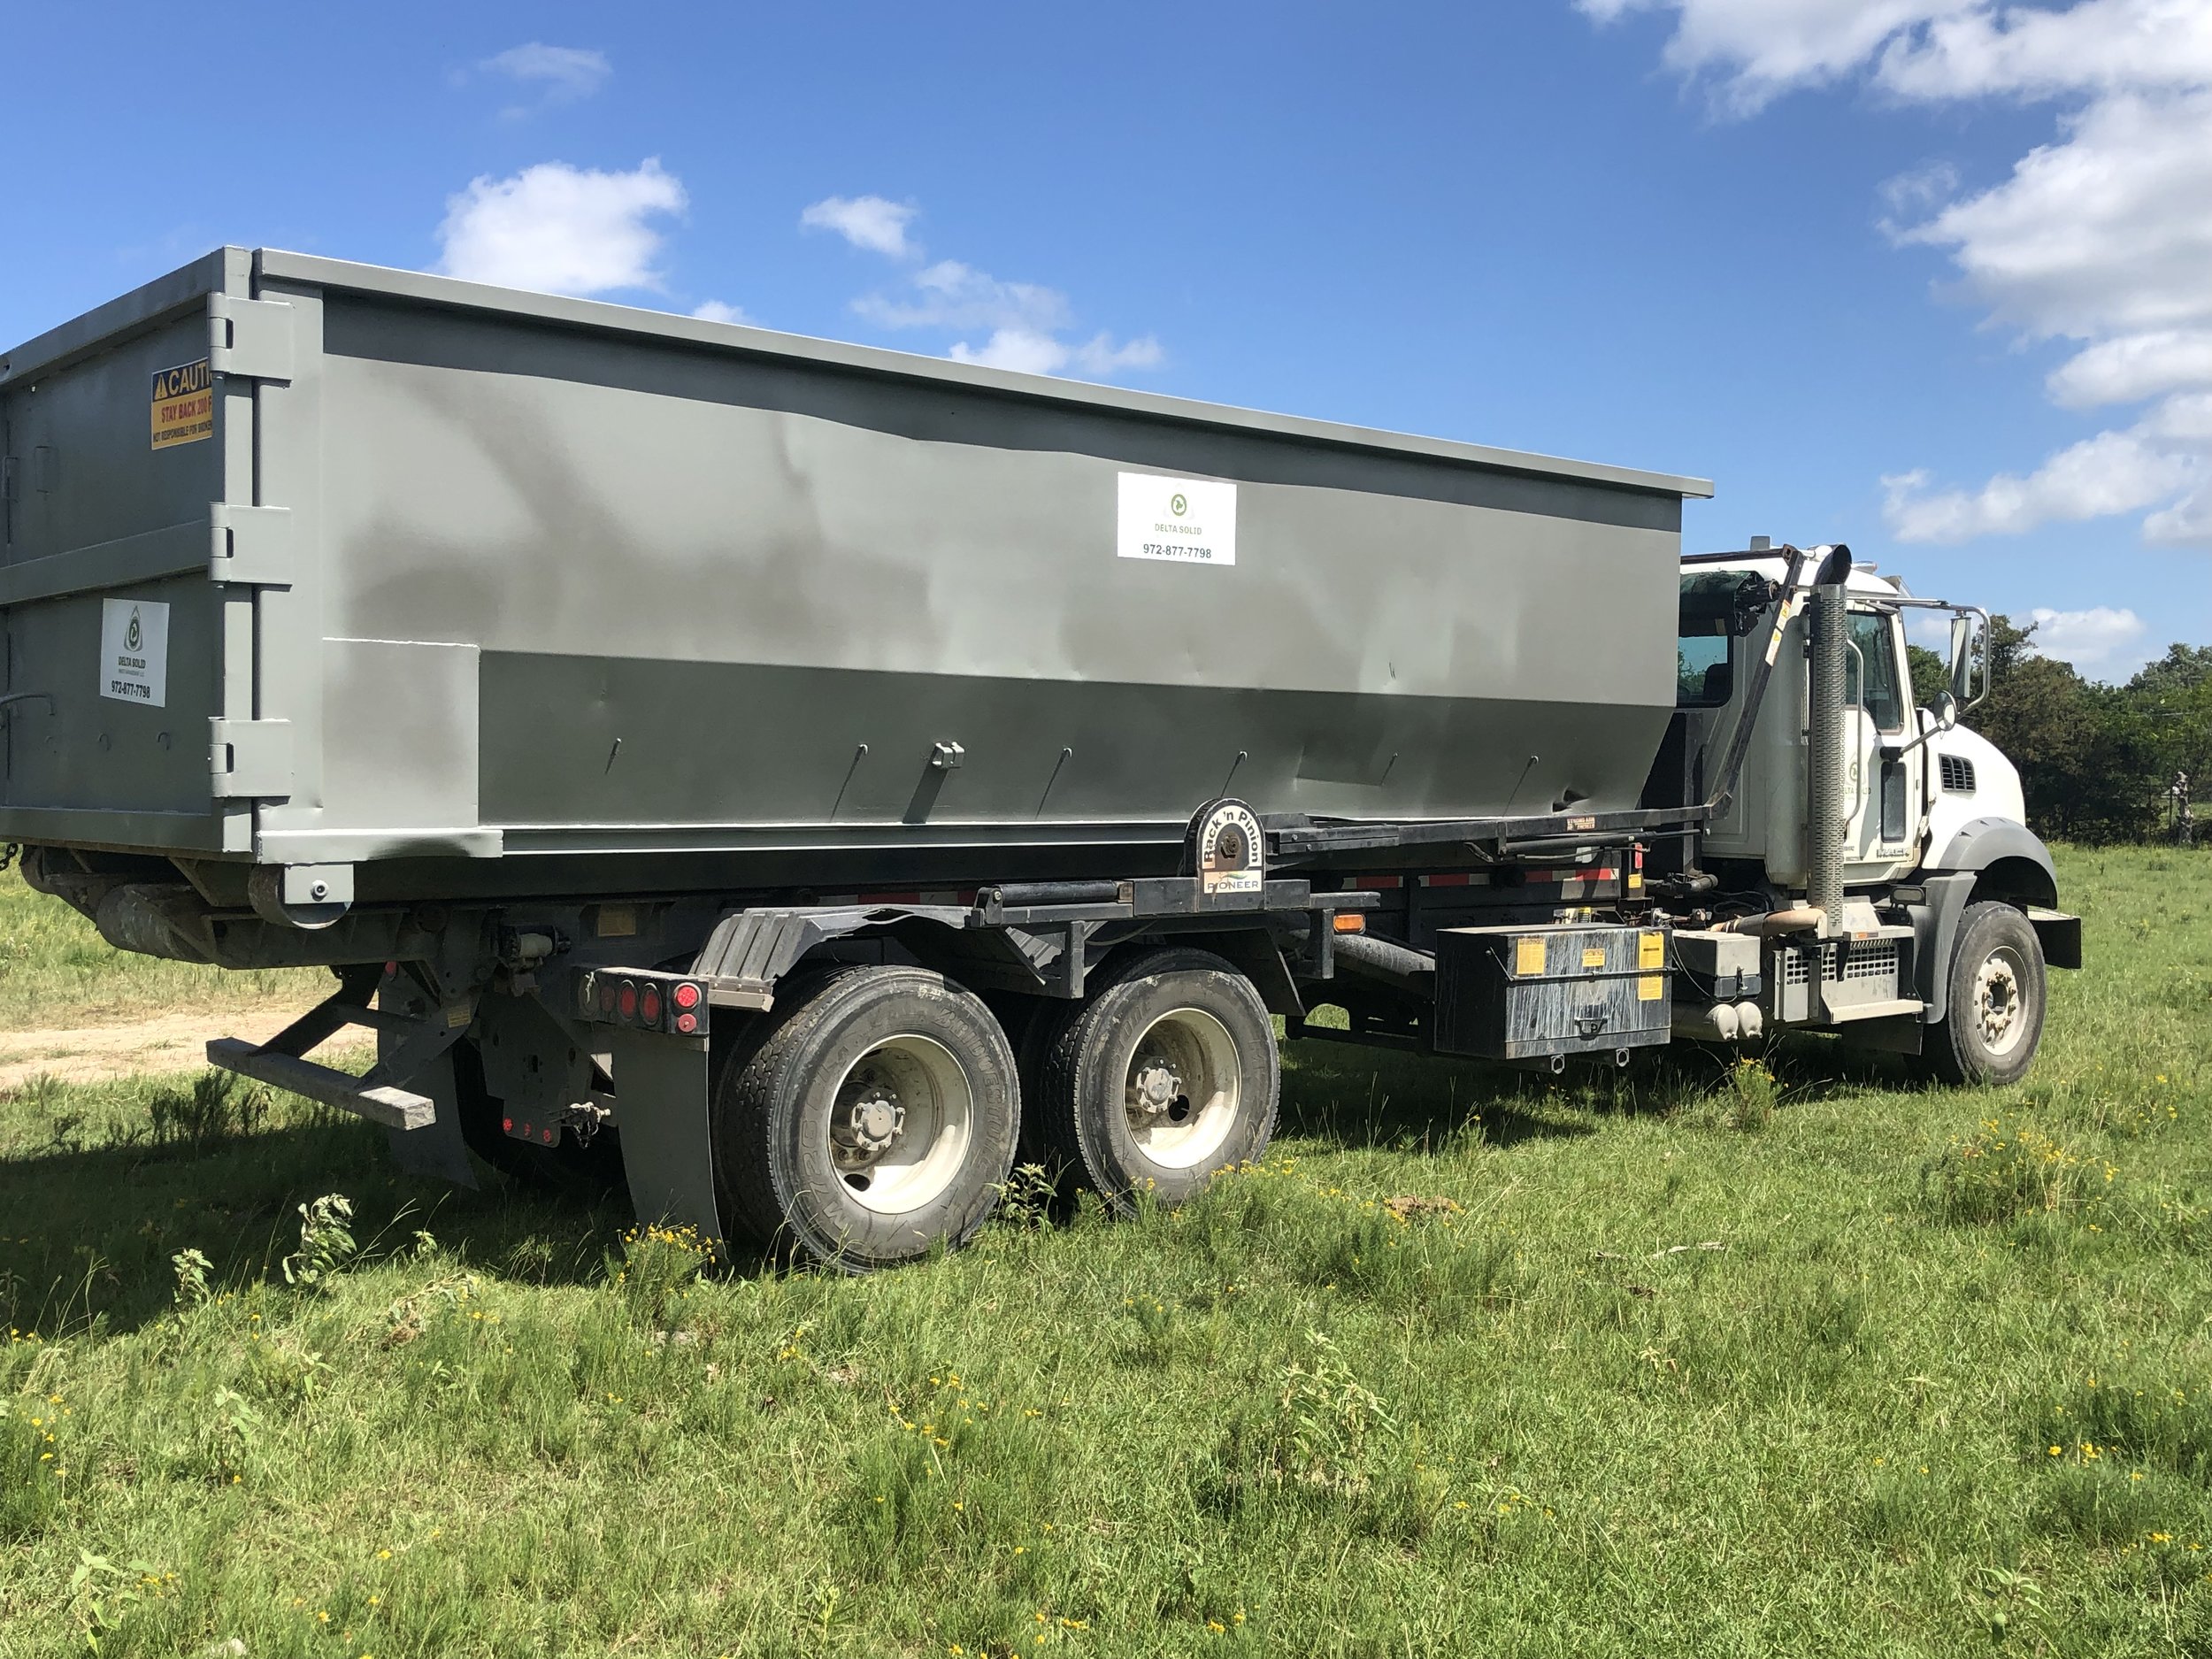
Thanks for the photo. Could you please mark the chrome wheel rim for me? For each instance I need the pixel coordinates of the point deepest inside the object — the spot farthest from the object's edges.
(1184, 1088)
(1999, 1003)
(899, 1128)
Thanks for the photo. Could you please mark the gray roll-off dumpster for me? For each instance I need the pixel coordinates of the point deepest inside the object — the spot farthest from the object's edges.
(440, 589)
(798, 780)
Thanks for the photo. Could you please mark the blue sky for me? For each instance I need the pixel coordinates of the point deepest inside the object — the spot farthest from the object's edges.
(1933, 277)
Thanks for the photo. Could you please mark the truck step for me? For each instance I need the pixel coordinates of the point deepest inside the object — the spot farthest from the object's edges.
(411, 1044)
(393, 1108)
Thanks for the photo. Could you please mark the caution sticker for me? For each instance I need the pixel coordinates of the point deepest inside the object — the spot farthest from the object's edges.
(184, 404)
(1528, 957)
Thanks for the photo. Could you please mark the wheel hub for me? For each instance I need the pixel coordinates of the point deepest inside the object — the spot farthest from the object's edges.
(867, 1124)
(1154, 1088)
(1997, 993)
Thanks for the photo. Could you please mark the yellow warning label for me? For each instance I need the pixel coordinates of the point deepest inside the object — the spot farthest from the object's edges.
(1594, 955)
(1651, 988)
(1528, 957)
(1651, 951)
(184, 404)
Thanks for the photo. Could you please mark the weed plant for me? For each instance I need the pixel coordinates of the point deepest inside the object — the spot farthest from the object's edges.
(1689, 1360)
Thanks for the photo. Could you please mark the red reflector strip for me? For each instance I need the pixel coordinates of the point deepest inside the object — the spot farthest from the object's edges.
(891, 898)
(1378, 884)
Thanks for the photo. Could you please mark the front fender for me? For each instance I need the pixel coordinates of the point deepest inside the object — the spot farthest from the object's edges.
(1980, 844)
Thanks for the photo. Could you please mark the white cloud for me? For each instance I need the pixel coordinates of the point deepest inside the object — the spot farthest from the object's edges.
(2131, 367)
(2093, 46)
(2108, 231)
(1024, 324)
(721, 312)
(2114, 471)
(871, 222)
(565, 73)
(2102, 237)
(2102, 642)
(1033, 353)
(560, 229)
(1761, 49)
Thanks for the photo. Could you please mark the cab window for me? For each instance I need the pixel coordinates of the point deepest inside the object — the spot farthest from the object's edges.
(1876, 641)
(1703, 676)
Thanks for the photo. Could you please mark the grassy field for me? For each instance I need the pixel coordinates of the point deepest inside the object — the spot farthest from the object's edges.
(1697, 1364)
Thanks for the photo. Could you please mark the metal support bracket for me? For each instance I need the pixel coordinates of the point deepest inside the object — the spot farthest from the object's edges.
(250, 758)
(249, 544)
(251, 339)
(376, 1094)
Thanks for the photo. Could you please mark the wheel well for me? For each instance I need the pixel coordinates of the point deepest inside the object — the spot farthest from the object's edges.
(2019, 881)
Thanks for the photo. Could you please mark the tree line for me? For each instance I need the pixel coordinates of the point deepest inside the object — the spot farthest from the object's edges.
(2098, 762)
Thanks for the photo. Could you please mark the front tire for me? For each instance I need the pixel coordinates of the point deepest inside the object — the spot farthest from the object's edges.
(877, 1119)
(1997, 989)
(1164, 1078)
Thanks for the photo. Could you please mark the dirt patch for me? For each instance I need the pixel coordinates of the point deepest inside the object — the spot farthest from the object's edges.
(166, 1042)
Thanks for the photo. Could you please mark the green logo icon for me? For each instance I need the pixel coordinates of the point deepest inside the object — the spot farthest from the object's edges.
(132, 638)
(1176, 505)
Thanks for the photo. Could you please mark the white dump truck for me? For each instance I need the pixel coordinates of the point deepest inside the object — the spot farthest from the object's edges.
(796, 781)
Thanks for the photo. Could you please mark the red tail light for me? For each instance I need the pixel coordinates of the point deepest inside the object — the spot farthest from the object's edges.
(685, 995)
(649, 1005)
(626, 1000)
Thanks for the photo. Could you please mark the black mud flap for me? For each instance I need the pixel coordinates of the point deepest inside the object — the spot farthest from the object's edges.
(2058, 934)
(661, 1108)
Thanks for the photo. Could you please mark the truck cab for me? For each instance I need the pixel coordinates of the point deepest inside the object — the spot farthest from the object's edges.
(1928, 817)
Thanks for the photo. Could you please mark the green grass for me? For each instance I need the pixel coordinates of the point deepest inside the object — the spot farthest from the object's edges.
(56, 972)
(1934, 1374)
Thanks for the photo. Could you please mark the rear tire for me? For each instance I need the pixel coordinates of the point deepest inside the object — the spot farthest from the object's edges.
(1164, 1078)
(1997, 989)
(876, 1118)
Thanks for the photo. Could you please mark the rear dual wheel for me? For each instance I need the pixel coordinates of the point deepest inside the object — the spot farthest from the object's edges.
(875, 1119)
(1166, 1076)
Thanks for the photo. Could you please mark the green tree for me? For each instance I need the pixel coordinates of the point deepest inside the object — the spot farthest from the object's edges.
(2087, 765)
(2174, 696)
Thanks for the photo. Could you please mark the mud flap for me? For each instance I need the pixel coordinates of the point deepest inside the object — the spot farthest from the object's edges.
(661, 1110)
(436, 1150)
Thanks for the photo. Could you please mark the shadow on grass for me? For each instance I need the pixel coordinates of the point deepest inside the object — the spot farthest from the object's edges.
(89, 1232)
(1348, 1097)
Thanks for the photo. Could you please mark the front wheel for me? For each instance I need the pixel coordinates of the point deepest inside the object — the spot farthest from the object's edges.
(877, 1119)
(1165, 1077)
(1993, 1020)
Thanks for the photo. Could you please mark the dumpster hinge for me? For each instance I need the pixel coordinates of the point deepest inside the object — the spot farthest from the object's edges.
(249, 544)
(250, 338)
(249, 758)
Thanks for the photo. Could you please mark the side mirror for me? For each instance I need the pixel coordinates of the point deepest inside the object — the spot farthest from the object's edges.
(1961, 660)
(1946, 710)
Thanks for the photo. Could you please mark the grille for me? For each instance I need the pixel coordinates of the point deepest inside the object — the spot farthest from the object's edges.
(1866, 962)
(1957, 774)
(1872, 962)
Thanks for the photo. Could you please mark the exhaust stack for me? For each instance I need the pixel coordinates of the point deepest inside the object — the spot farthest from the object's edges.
(1828, 803)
